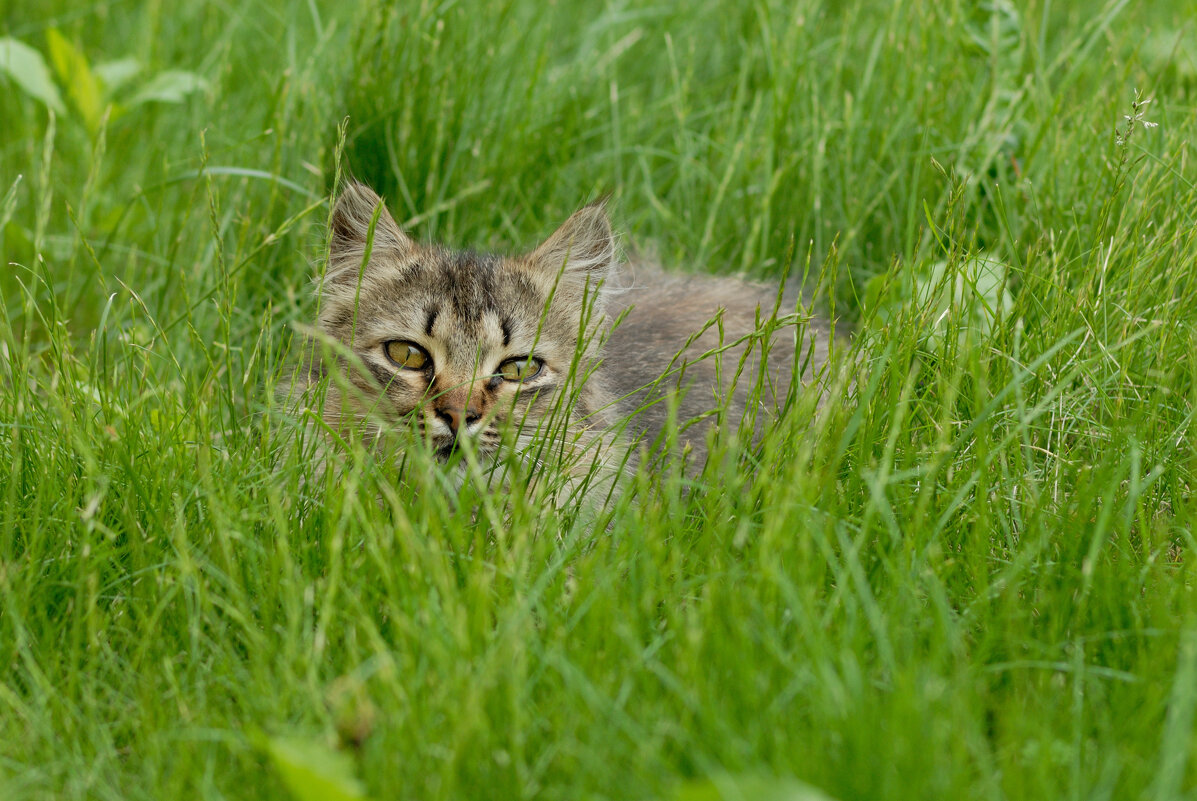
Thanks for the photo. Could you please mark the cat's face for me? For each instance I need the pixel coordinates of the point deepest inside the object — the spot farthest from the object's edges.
(455, 344)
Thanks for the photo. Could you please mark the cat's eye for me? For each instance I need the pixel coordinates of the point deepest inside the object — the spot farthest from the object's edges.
(407, 355)
(520, 369)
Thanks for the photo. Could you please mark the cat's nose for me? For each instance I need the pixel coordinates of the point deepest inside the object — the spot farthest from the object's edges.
(453, 417)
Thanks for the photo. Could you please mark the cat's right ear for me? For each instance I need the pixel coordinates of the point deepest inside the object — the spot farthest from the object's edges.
(582, 250)
(349, 231)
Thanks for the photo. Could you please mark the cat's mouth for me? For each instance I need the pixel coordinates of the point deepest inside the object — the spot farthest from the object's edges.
(445, 447)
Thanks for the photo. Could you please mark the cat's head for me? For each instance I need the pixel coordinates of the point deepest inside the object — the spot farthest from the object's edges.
(453, 343)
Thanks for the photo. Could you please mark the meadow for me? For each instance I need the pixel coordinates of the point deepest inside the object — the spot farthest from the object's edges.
(968, 577)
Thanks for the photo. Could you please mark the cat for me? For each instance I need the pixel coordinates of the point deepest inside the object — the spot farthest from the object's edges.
(456, 347)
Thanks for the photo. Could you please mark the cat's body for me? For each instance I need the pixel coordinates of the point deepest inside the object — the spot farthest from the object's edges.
(700, 339)
(455, 345)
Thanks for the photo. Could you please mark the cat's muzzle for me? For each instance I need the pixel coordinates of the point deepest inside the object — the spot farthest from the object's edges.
(445, 446)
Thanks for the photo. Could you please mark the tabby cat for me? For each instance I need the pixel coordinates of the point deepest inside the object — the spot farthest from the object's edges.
(458, 347)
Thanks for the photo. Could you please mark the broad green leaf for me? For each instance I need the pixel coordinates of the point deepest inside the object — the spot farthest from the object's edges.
(748, 788)
(115, 74)
(28, 70)
(75, 73)
(171, 86)
(996, 28)
(1171, 48)
(312, 771)
(972, 289)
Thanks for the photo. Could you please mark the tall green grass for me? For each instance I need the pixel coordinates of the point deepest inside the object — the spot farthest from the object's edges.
(969, 576)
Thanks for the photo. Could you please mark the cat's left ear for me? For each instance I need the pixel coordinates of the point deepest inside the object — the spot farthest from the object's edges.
(582, 249)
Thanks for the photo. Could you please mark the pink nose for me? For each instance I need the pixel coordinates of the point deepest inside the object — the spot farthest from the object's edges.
(452, 416)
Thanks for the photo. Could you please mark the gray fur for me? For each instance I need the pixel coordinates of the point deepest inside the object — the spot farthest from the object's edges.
(657, 351)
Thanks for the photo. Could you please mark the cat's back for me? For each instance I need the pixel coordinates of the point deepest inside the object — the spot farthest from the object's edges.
(662, 332)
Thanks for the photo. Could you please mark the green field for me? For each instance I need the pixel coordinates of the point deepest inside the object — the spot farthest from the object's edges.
(969, 578)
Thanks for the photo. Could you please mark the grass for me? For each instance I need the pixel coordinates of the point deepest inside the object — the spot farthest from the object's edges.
(969, 579)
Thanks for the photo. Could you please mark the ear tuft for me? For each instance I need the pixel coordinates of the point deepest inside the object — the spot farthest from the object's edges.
(584, 245)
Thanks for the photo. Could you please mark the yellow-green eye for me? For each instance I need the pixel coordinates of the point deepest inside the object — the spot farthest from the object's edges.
(520, 369)
(406, 355)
